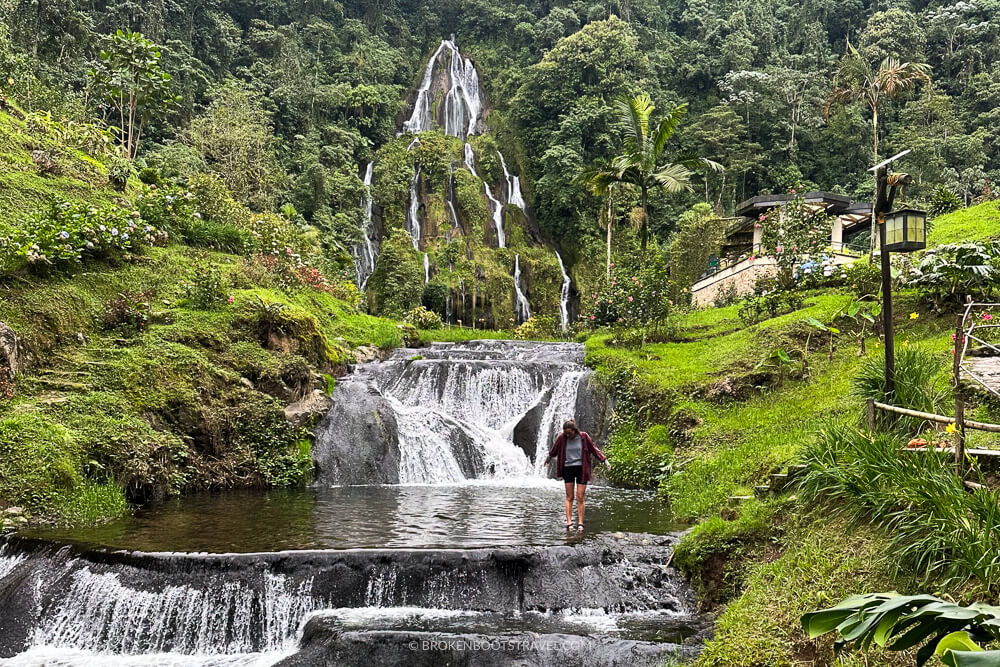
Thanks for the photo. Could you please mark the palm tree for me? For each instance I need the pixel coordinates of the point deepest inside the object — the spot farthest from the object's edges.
(642, 165)
(858, 80)
(603, 182)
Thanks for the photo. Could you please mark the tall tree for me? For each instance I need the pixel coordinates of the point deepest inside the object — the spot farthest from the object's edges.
(602, 180)
(643, 163)
(859, 80)
(130, 85)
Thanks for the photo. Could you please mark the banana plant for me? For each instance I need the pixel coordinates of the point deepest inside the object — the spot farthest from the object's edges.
(953, 632)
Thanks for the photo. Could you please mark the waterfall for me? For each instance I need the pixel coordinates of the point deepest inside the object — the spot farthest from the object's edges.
(412, 219)
(422, 115)
(563, 295)
(522, 307)
(365, 253)
(462, 105)
(451, 412)
(496, 208)
(514, 195)
(98, 612)
(427, 269)
(561, 406)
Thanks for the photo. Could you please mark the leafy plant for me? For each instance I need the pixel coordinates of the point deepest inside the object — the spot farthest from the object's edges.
(781, 362)
(767, 299)
(935, 527)
(947, 274)
(902, 622)
(536, 326)
(917, 380)
(206, 289)
(422, 318)
(943, 201)
(127, 312)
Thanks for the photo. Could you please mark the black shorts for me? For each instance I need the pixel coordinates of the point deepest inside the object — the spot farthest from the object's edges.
(571, 474)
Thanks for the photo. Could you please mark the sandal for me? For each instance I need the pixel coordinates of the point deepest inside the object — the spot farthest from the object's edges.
(569, 526)
(579, 528)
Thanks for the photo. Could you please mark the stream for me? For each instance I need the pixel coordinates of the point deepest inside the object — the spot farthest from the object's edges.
(432, 535)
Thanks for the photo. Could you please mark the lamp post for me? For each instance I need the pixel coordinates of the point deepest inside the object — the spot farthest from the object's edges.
(899, 231)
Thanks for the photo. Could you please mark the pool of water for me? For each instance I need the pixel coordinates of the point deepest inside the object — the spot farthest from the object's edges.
(470, 514)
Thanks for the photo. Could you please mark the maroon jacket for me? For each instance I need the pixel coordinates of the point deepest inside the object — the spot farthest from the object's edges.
(559, 451)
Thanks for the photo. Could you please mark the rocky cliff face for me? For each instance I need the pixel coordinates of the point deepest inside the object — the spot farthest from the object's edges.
(464, 212)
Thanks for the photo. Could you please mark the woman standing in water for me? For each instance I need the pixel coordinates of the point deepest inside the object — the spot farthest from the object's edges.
(572, 450)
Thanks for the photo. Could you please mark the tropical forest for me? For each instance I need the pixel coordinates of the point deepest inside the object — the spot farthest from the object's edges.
(500, 332)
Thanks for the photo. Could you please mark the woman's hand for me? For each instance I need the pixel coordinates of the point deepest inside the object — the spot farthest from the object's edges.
(547, 459)
(607, 464)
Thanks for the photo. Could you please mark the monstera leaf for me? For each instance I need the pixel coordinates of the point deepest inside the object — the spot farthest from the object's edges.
(900, 622)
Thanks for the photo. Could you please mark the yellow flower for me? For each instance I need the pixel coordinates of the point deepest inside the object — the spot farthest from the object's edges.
(906, 343)
(914, 316)
(950, 429)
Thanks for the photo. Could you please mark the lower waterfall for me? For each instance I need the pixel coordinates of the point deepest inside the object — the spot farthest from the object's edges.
(455, 411)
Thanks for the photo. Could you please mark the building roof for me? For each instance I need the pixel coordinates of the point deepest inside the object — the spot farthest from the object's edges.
(834, 203)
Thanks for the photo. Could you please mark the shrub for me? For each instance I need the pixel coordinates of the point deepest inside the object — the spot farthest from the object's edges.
(917, 380)
(422, 318)
(636, 296)
(822, 271)
(128, 312)
(864, 277)
(934, 524)
(206, 289)
(536, 326)
(766, 301)
(66, 235)
(177, 210)
(947, 274)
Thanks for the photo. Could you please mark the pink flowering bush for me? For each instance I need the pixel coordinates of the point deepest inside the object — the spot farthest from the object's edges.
(636, 296)
(66, 235)
(793, 235)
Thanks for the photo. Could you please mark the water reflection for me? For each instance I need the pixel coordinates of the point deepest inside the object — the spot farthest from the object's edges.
(472, 514)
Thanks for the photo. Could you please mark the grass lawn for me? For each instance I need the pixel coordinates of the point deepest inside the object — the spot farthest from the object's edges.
(976, 223)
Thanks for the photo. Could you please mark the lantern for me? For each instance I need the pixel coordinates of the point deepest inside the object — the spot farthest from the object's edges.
(905, 230)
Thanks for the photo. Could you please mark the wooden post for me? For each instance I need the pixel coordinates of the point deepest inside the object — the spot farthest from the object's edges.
(960, 437)
(871, 415)
(956, 366)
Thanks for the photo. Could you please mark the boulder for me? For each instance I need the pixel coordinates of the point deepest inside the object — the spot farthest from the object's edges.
(308, 410)
(357, 442)
(10, 357)
(366, 354)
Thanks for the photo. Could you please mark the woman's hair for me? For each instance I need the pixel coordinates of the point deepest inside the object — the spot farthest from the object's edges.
(570, 423)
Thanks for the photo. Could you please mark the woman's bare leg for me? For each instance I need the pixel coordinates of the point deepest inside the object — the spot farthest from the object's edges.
(581, 492)
(569, 503)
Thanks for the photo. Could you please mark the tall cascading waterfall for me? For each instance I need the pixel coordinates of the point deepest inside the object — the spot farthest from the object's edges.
(412, 217)
(514, 195)
(563, 295)
(496, 208)
(366, 252)
(462, 108)
(453, 412)
(521, 308)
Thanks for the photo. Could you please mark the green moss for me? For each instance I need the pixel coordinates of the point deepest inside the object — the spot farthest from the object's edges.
(821, 563)
(976, 223)
(639, 458)
(39, 463)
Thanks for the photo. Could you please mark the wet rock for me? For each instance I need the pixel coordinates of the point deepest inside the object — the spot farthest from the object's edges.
(10, 357)
(308, 410)
(329, 646)
(526, 430)
(593, 410)
(358, 439)
(366, 354)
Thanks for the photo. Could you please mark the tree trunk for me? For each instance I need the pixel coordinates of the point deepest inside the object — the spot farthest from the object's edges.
(644, 227)
(608, 263)
(874, 235)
